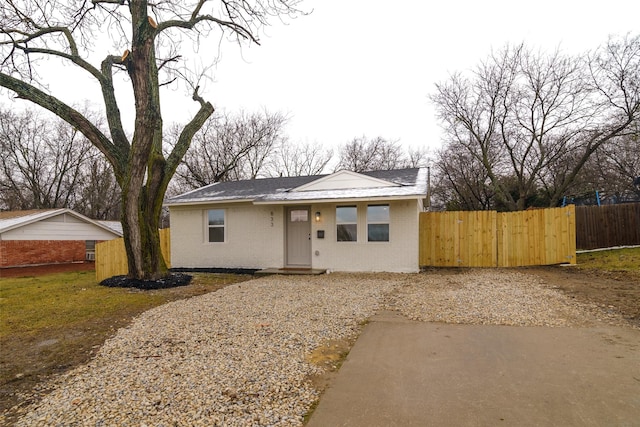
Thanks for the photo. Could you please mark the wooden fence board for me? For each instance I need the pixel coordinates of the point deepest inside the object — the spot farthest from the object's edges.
(490, 239)
(457, 239)
(607, 226)
(111, 257)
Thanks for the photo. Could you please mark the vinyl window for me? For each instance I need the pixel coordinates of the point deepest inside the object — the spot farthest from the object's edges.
(378, 223)
(216, 225)
(347, 223)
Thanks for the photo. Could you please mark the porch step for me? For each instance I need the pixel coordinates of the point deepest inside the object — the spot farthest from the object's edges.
(290, 271)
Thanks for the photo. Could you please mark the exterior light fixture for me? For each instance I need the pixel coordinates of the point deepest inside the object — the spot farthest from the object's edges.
(317, 216)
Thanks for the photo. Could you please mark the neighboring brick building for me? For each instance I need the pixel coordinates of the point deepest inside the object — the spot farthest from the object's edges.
(50, 236)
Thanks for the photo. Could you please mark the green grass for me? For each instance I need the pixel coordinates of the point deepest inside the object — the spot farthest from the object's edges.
(64, 300)
(31, 304)
(627, 260)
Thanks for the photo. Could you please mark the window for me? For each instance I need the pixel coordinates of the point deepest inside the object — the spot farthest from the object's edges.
(347, 223)
(90, 250)
(378, 223)
(300, 216)
(215, 225)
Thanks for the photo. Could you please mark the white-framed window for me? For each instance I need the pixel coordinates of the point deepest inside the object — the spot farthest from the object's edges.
(378, 223)
(215, 225)
(347, 223)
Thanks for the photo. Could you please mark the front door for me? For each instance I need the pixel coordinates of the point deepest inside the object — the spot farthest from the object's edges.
(298, 237)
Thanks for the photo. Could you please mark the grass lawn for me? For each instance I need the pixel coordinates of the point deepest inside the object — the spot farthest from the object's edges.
(614, 260)
(53, 322)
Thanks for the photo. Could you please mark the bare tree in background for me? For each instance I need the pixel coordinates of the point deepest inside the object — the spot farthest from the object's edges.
(148, 42)
(41, 161)
(46, 163)
(364, 154)
(461, 181)
(418, 157)
(300, 160)
(98, 194)
(611, 170)
(230, 147)
(533, 120)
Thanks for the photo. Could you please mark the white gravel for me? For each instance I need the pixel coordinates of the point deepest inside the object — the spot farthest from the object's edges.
(236, 357)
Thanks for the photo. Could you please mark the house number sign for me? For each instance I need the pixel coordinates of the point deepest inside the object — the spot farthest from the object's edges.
(271, 216)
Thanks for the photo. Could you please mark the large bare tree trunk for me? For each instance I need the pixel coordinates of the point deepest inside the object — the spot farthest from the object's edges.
(31, 30)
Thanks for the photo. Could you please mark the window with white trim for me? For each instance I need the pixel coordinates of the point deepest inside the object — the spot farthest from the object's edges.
(347, 223)
(215, 225)
(378, 223)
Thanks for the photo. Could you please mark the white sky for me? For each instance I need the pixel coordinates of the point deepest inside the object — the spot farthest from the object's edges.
(358, 67)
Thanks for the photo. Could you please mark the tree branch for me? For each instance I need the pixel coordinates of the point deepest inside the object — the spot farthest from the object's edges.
(26, 91)
(184, 140)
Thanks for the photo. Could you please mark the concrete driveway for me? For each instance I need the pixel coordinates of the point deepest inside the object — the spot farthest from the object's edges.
(405, 373)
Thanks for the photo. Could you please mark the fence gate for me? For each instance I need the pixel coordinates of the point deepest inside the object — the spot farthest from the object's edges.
(492, 239)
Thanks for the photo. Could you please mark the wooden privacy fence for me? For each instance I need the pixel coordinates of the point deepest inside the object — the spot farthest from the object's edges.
(493, 239)
(111, 257)
(607, 226)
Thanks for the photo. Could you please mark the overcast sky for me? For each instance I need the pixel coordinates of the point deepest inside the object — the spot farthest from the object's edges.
(358, 67)
(366, 67)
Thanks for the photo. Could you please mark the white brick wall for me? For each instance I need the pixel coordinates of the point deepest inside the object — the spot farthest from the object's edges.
(255, 239)
(400, 254)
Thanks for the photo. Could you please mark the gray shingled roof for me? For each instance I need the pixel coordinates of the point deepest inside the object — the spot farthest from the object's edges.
(412, 183)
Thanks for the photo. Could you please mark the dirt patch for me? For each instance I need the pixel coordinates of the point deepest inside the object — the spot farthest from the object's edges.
(615, 292)
(329, 356)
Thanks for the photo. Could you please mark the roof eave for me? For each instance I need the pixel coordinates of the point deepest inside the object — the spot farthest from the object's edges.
(207, 202)
(339, 200)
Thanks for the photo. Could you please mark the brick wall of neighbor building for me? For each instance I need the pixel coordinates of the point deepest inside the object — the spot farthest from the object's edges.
(15, 253)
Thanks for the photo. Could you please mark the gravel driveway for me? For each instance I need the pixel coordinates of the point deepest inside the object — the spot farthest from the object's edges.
(236, 357)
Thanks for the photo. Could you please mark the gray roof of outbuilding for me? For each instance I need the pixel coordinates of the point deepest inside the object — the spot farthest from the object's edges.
(411, 183)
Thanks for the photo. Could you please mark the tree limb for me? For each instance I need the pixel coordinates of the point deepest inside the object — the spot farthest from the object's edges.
(26, 91)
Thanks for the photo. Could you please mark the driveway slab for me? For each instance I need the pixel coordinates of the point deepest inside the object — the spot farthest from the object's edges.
(405, 373)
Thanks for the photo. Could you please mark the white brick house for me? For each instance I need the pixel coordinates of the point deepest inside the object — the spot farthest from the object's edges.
(345, 221)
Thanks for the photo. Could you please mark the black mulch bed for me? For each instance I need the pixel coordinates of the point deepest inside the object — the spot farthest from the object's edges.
(171, 281)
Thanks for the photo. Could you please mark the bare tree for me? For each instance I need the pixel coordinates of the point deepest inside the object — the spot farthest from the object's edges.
(300, 160)
(45, 163)
(462, 181)
(363, 154)
(611, 170)
(230, 147)
(418, 157)
(533, 120)
(148, 40)
(41, 162)
(98, 193)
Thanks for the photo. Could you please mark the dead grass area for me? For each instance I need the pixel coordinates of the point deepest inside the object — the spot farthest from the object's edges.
(329, 356)
(51, 323)
(610, 279)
